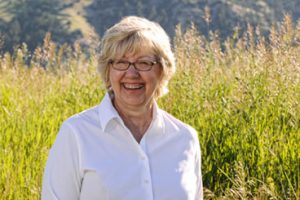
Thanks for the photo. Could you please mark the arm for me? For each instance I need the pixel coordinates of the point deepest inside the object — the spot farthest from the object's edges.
(199, 193)
(62, 177)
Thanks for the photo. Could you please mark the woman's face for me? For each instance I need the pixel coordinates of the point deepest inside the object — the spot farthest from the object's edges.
(133, 88)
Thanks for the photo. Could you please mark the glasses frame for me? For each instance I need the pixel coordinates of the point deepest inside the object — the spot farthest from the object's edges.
(112, 62)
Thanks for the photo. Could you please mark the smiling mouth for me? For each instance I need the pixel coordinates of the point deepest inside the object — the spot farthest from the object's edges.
(133, 86)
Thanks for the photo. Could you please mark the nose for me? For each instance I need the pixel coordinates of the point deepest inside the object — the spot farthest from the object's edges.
(132, 72)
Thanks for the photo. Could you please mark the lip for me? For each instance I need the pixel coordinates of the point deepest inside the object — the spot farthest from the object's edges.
(133, 86)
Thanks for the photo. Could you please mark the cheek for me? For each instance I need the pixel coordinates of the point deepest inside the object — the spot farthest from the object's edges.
(113, 84)
(153, 81)
(114, 78)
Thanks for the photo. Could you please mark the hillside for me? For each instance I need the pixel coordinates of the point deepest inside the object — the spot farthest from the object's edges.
(222, 15)
(68, 20)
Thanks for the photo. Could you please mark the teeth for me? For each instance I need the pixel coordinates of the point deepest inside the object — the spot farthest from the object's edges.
(133, 86)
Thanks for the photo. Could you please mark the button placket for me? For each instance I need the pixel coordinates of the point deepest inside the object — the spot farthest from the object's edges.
(145, 163)
(146, 179)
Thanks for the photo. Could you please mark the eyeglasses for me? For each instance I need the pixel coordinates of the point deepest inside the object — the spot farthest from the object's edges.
(140, 65)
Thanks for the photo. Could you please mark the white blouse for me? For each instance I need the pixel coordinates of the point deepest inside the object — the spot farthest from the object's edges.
(96, 157)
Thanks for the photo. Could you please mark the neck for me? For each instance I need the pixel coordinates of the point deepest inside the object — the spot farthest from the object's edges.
(136, 119)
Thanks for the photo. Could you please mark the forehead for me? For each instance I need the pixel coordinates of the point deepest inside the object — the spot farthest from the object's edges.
(135, 52)
(134, 45)
(138, 55)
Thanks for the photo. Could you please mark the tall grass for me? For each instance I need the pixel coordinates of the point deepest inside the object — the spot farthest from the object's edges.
(243, 97)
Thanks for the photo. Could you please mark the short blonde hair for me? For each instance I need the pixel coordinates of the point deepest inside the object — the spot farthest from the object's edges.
(133, 35)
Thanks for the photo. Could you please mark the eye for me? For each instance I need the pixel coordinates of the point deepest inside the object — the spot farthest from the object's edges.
(121, 62)
(145, 63)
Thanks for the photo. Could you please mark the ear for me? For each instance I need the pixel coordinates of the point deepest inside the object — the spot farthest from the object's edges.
(107, 77)
(161, 73)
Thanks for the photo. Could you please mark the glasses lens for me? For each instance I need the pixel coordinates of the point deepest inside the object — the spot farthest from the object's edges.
(144, 65)
(120, 65)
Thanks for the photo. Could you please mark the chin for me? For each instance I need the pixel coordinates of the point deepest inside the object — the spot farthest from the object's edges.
(136, 103)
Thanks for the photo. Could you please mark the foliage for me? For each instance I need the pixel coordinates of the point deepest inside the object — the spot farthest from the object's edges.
(241, 95)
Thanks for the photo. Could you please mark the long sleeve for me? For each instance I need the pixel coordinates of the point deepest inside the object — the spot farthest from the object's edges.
(199, 194)
(62, 177)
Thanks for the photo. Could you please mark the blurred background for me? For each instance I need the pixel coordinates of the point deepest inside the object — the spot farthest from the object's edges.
(27, 21)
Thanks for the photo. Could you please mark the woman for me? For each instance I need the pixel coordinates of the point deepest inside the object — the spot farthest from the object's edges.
(126, 147)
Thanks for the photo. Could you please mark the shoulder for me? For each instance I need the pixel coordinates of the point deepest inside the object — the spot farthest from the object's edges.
(78, 127)
(86, 118)
(175, 125)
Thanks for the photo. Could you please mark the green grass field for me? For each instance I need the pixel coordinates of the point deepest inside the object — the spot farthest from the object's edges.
(243, 97)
